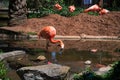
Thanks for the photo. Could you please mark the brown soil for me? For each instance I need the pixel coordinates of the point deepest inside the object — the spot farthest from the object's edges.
(108, 24)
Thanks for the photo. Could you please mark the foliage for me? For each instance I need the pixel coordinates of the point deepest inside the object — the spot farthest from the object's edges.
(114, 9)
(46, 7)
(3, 71)
(40, 8)
(113, 74)
(93, 13)
(35, 50)
(117, 50)
(31, 33)
(1, 51)
(87, 75)
(116, 4)
(4, 3)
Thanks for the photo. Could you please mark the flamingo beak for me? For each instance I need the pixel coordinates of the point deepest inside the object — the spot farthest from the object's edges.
(61, 50)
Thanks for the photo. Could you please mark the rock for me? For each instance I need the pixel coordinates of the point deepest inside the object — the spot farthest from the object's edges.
(12, 53)
(88, 62)
(103, 70)
(44, 72)
(41, 58)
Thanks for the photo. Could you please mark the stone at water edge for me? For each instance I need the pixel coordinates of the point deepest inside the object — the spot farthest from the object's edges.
(103, 70)
(44, 72)
(41, 58)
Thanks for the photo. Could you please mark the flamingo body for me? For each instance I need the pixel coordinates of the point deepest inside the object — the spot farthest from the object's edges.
(49, 33)
(71, 8)
(58, 6)
(93, 8)
(104, 11)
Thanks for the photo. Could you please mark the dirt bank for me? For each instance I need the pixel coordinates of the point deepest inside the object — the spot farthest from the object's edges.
(108, 24)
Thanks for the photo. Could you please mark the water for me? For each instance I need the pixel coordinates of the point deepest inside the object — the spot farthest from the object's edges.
(76, 52)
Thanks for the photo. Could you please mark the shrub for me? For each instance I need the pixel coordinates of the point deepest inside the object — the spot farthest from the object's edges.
(3, 71)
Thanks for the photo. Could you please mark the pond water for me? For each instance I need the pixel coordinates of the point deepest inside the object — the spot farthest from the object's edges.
(76, 52)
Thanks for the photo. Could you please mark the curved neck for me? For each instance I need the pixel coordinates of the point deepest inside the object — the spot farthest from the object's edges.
(54, 41)
(57, 41)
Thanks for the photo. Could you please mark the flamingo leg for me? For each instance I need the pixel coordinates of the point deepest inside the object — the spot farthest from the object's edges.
(47, 44)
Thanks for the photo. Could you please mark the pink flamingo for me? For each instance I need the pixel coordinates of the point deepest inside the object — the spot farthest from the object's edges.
(93, 8)
(71, 8)
(58, 6)
(103, 11)
(49, 32)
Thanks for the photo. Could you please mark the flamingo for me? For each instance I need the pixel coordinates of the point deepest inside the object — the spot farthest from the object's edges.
(71, 8)
(93, 8)
(103, 11)
(58, 6)
(49, 32)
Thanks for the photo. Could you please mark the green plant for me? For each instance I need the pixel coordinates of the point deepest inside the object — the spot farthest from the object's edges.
(116, 3)
(87, 75)
(47, 7)
(114, 73)
(1, 51)
(3, 71)
(93, 13)
(36, 50)
(4, 3)
(31, 33)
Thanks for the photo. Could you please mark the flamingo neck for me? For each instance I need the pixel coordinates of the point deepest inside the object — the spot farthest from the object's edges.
(57, 41)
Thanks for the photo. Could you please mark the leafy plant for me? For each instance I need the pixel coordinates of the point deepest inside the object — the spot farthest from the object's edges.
(31, 33)
(114, 73)
(116, 3)
(93, 13)
(46, 7)
(87, 75)
(4, 3)
(3, 71)
(1, 51)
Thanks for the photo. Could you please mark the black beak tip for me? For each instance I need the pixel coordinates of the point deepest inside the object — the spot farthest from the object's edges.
(61, 50)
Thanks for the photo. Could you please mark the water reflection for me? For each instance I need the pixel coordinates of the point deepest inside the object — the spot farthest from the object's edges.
(53, 56)
(77, 52)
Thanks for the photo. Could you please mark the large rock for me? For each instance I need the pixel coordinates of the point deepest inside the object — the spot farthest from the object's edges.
(103, 70)
(12, 53)
(44, 72)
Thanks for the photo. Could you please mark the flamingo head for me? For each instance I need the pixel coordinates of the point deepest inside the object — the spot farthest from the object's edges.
(58, 6)
(61, 47)
(71, 8)
(103, 11)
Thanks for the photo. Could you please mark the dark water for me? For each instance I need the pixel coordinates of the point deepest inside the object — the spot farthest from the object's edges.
(76, 58)
(3, 22)
(76, 52)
